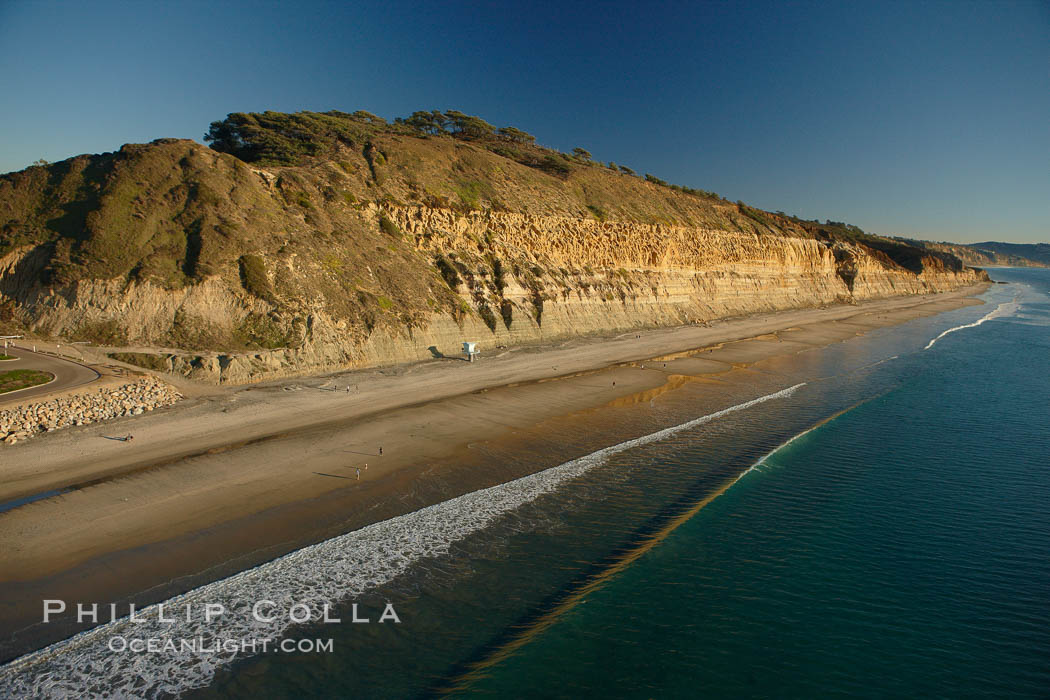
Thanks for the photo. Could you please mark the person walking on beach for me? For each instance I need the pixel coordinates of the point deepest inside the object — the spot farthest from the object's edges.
(380, 450)
(359, 473)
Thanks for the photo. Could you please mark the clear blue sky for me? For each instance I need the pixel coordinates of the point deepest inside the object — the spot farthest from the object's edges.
(929, 119)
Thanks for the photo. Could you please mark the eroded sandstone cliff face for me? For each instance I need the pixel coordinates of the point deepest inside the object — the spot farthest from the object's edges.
(388, 245)
(519, 279)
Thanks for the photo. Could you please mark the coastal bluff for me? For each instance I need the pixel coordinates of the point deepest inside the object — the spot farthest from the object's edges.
(388, 246)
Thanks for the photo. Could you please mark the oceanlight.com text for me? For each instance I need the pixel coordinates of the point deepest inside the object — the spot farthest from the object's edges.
(200, 645)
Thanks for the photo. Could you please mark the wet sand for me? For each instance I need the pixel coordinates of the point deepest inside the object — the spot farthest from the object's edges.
(234, 478)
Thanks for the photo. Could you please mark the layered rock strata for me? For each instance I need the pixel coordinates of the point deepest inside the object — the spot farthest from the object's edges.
(519, 279)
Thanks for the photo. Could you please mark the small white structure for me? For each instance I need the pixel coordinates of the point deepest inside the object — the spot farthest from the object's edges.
(470, 350)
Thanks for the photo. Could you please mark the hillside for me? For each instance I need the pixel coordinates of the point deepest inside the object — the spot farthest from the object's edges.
(310, 241)
(1023, 254)
(992, 253)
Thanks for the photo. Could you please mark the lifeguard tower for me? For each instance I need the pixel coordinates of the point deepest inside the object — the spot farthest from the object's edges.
(470, 350)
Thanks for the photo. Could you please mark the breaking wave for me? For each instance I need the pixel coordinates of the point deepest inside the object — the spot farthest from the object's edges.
(335, 570)
(1007, 308)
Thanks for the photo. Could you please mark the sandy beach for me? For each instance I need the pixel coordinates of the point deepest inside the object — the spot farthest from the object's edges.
(232, 477)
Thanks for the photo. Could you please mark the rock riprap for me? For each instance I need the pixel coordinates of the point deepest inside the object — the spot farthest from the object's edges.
(131, 399)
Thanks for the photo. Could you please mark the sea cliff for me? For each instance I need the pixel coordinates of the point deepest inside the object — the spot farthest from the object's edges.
(388, 246)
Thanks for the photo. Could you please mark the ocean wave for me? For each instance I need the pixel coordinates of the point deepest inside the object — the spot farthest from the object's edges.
(335, 570)
(1007, 308)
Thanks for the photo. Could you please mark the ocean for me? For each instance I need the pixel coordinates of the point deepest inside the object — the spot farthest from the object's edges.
(869, 519)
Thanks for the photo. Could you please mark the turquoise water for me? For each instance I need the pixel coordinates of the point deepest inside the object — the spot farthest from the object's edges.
(877, 525)
(901, 548)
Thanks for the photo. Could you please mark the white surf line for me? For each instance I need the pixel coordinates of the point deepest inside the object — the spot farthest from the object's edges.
(867, 366)
(778, 448)
(1005, 309)
(856, 370)
(338, 569)
(807, 431)
(781, 446)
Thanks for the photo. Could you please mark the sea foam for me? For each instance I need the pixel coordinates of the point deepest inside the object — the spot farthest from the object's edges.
(1007, 308)
(335, 570)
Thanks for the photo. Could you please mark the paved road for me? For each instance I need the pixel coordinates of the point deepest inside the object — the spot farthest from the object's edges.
(67, 374)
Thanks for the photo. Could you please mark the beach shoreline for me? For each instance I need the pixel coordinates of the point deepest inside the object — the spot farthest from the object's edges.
(229, 480)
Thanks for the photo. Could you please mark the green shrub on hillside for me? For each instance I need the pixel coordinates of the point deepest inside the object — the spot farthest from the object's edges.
(448, 272)
(469, 194)
(555, 165)
(510, 153)
(468, 126)
(369, 118)
(513, 134)
(387, 226)
(108, 332)
(142, 359)
(287, 139)
(487, 316)
(253, 277)
(598, 212)
(506, 310)
(260, 331)
(499, 276)
(755, 215)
